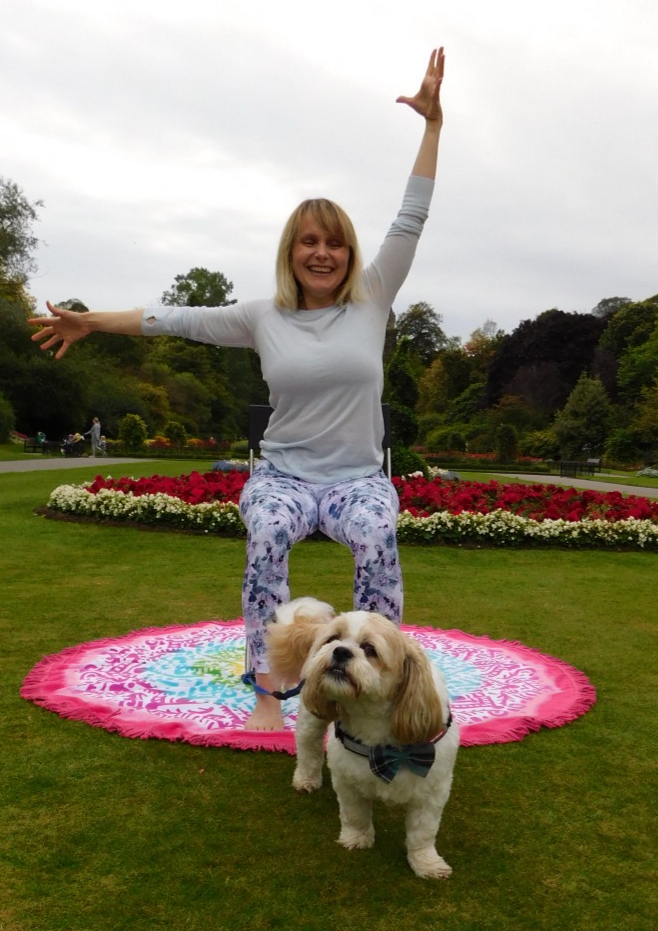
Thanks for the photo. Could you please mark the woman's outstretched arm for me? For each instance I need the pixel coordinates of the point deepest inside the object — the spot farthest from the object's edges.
(68, 326)
(427, 103)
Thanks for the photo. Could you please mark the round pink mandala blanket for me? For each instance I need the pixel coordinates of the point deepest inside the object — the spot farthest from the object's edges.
(183, 683)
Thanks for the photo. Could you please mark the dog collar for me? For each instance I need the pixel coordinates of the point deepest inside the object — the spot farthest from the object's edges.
(385, 760)
(249, 678)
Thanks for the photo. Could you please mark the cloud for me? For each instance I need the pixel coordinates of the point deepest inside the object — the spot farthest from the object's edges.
(164, 135)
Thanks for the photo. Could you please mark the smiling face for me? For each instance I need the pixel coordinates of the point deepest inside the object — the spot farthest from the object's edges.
(320, 262)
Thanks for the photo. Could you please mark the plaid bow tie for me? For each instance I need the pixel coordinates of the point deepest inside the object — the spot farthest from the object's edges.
(385, 761)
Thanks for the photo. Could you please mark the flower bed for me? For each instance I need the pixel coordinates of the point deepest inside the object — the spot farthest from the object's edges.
(431, 511)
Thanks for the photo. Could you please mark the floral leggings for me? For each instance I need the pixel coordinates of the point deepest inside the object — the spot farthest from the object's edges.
(279, 510)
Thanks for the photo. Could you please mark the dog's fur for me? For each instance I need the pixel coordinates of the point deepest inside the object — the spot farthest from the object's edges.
(362, 670)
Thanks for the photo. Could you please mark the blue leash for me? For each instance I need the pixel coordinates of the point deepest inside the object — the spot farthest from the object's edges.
(249, 678)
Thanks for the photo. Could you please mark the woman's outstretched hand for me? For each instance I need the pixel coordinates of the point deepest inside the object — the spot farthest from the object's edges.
(65, 327)
(427, 101)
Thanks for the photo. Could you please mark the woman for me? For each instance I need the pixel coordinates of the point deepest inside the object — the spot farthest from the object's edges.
(320, 342)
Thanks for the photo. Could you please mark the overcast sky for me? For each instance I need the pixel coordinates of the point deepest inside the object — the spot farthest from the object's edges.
(163, 135)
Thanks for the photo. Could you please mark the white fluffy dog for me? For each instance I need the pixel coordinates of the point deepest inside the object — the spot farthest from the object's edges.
(393, 738)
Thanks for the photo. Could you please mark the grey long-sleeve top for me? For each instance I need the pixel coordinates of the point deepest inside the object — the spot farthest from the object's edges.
(323, 367)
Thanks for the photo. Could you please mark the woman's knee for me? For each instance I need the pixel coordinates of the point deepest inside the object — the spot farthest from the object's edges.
(281, 515)
(374, 522)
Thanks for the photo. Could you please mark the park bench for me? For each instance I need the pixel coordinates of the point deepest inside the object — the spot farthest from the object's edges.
(32, 445)
(572, 469)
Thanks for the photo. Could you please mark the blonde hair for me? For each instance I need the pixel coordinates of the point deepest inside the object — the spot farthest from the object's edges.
(333, 219)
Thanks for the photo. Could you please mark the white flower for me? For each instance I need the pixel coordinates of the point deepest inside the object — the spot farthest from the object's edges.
(500, 528)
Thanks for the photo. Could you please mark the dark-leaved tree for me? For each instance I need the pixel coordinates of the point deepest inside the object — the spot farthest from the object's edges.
(542, 360)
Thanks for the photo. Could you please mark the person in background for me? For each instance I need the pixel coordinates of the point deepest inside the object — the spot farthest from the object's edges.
(94, 433)
(320, 341)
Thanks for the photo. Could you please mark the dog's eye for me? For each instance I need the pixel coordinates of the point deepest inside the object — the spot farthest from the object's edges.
(332, 639)
(369, 650)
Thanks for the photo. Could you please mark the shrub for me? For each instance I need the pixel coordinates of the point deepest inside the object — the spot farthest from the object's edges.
(623, 445)
(404, 461)
(133, 432)
(176, 433)
(446, 439)
(239, 450)
(542, 444)
(507, 442)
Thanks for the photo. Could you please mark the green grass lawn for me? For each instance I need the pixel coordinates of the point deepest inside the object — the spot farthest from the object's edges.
(102, 833)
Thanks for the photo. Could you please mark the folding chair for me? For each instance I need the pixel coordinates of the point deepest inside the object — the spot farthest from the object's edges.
(259, 417)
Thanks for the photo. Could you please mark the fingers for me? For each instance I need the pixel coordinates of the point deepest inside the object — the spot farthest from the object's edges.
(51, 342)
(436, 64)
(441, 63)
(48, 335)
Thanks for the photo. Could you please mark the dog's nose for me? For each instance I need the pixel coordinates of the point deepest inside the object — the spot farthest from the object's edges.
(342, 654)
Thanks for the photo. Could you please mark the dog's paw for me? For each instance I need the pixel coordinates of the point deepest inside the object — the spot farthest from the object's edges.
(352, 839)
(428, 864)
(306, 782)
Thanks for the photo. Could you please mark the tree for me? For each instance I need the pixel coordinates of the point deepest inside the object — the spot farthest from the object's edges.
(645, 422)
(46, 396)
(630, 326)
(433, 397)
(401, 392)
(555, 347)
(609, 306)
(17, 241)
(582, 425)
(199, 288)
(482, 344)
(74, 304)
(466, 405)
(422, 325)
(7, 418)
(232, 375)
(638, 367)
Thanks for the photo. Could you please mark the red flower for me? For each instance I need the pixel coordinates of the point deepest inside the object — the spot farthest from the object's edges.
(193, 488)
(536, 502)
(421, 497)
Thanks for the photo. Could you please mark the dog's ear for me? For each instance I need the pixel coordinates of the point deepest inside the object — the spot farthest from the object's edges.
(316, 701)
(288, 646)
(417, 711)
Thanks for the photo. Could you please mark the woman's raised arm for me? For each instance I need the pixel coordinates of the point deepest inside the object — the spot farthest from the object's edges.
(427, 103)
(68, 326)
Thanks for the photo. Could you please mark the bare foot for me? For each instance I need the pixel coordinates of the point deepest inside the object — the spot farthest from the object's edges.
(267, 715)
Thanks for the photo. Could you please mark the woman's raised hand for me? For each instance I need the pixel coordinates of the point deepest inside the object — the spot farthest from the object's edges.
(427, 101)
(65, 327)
